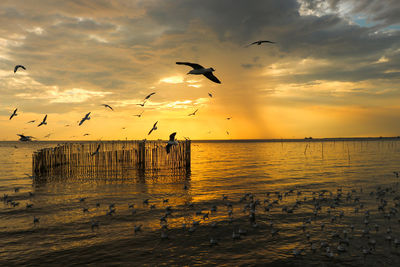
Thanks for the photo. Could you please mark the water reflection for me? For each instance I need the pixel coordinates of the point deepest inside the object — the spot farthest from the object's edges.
(288, 173)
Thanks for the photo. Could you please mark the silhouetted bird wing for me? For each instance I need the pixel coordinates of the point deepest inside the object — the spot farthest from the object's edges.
(266, 41)
(155, 124)
(150, 131)
(172, 137)
(108, 106)
(211, 76)
(147, 97)
(260, 42)
(17, 67)
(193, 65)
(45, 118)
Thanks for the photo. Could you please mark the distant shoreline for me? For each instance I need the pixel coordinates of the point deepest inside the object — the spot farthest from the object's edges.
(331, 139)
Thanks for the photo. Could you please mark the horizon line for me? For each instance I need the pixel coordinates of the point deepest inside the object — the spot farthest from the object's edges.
(306, 139)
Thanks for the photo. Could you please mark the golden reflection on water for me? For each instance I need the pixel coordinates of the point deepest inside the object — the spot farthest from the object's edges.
(231, 169)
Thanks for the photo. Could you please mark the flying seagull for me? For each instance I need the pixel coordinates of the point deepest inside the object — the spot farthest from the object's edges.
(86, 134)
(32, 121)
(107, 106)
(227, 132)
(139, 115)
(147, 97)
(25, 138)
(97, 151)
(17, 67)
(47, 136)
(44, 122)
(229, 118)
(142, 104)
(154, 128)
(87, 117)
(260, 42)
(194, 113)
(171, 142)
(14, 114)
(198, 70)
(210, 95)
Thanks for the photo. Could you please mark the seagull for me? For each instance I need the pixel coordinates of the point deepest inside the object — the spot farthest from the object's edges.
(17, 67)
(229, 118)
(14, 114)
(260, 42)
(47, 135)
(227, 132)
(107, 106)
(142, 104)
(86, 134)
(147, 97)
(43, 122)
(32, 121)
(210, 95)
(97, 151)
(171, 142)
(194, 113)
(87, 117)
(139, 115)
(198, 69)
(154, 128)
(24, 138)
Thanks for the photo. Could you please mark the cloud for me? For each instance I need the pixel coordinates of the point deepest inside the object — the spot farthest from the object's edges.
(74, 95)
(77, 53)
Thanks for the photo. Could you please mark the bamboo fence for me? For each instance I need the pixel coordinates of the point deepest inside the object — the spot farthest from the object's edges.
(114, 159)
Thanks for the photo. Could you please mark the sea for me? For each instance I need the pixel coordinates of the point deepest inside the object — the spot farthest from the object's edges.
(243, 203)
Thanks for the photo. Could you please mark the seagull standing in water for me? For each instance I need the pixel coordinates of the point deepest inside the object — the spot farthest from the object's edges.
(44, 122)
(14, 114)
(154, 128)
(171, 142)
(194, 113)
(260, 42)
(17, 67)
(198, 70)
(87, 117)
(107, 106)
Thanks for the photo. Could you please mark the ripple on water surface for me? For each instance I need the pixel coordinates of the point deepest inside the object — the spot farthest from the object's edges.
(288, 179)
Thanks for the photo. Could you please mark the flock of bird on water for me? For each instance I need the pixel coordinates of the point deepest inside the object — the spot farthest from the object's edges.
(197, 69)
(329, 223)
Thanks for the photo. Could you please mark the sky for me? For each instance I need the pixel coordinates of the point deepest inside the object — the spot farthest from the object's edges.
(333, 72)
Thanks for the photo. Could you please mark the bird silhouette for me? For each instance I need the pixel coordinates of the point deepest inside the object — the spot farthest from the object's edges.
(200, 70)
(194, 113)
(14, 114)
(44, 122)
(17, 67)
(107, 106)
(154, 128)
(87, 117)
